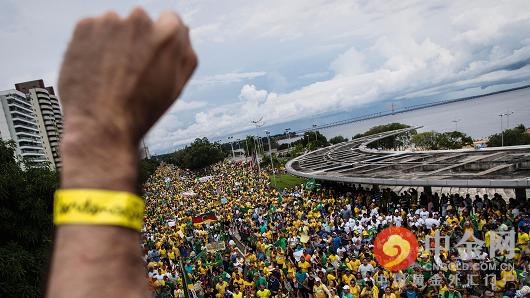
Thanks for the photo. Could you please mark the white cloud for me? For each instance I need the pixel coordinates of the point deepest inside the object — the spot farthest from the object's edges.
(349, 63)
(185, 105)
(313, 56)
(226, 78)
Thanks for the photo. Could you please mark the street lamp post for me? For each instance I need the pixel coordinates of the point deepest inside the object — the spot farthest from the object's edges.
(246, 152)
(258, 123)
(270, 155)
(288, 131)
(232, 146)
(507, 114)
(502, 131)
(316, 135)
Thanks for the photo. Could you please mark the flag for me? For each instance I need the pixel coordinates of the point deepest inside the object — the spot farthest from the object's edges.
(310, 184)
(206, 217)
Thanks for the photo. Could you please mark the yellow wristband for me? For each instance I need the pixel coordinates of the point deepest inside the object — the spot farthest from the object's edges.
(98, 207)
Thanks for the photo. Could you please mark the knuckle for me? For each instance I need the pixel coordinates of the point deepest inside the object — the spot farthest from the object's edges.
(84, 24)
(111, 16)
(139, 15)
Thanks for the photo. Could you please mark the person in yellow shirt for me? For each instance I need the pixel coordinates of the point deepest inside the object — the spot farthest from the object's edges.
(319, 289)
(353, 264)
(304, 265)
(522, 238)
(370, 291)
(263, 292)
(388, 293)
(355, 289)
(347, 277)
(221, 288)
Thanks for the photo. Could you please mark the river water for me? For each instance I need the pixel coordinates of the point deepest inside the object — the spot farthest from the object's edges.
(476, 117)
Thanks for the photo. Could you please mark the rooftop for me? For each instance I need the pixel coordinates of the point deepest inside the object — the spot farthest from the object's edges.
(354, 162)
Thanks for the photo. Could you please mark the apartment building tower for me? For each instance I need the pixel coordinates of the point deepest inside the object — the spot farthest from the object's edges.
(31, 116)
(18, 122)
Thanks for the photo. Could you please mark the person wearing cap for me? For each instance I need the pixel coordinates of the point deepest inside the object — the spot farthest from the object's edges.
(319, 289)
(346, 292)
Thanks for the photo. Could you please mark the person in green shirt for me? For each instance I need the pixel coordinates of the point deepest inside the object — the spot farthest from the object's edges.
(261, 280)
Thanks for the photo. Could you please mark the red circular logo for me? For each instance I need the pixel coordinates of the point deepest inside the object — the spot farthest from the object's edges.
(395, 248)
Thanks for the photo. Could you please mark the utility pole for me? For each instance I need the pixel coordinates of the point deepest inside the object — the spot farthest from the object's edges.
(232, 146)
(502, 132)
(270, 156)
(246, 152)
(316, 136)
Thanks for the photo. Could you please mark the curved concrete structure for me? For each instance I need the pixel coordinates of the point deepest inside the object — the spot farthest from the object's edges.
(353, 162)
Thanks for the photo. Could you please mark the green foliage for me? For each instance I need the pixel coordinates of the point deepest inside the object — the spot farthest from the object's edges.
(286, 181)
(432, 140)
(313, 140)
(383, 128)
(283, 146)
(266, 161)
(200, 154)
(146, 168)
(392, 142)
(512, 137)
(426, 140)
(250, 146)
(26, 202)
(337, 139)
(454, 140)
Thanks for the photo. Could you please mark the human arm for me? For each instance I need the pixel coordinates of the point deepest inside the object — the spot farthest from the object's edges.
(118, 77)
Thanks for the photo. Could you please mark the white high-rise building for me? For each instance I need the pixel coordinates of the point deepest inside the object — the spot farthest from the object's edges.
(18, 122)
(48, 115)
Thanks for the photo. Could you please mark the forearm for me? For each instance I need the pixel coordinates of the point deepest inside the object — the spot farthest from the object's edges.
(117, 78)
(97, 261)
(89, 258)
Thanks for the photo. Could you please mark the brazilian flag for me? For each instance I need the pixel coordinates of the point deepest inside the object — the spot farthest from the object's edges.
(310, 184)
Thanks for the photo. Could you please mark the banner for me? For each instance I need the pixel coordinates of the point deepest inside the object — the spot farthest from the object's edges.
(206, 217)
(215, 246)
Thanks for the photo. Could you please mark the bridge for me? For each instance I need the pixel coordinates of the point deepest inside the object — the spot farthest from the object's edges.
(353, 162)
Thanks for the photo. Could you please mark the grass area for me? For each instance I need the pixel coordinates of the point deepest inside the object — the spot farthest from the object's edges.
(286, 181)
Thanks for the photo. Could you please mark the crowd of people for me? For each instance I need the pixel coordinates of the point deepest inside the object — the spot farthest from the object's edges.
(227, 232)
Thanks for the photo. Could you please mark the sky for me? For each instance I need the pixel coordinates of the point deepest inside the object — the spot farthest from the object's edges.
(286, 60)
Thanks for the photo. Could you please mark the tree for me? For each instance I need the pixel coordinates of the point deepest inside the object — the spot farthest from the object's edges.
(266, 161)
(337, 139)
(313, 140)
(384, 128)
(146, 168)
(426, 140)
(200, 154)
(283, 146)
(391, 142)
(26, 204)
(432, 140)
(512, 137)
(454, 140)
